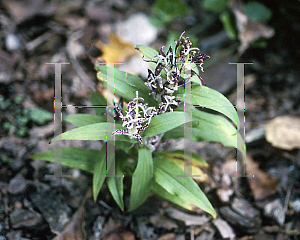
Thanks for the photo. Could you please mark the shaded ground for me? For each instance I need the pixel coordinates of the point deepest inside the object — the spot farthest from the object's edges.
(36, 206)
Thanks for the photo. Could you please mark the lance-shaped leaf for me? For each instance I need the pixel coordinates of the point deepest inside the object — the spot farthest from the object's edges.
(115, 185)
(164, 122)
(210, 127)
(98, 100)
(97, 131)
(167, 175)
(125, 84)
(209, 98)
(141, 179)
(160, 191)
(84, 159)
(99, 172)
(84, 119)
(179, 154)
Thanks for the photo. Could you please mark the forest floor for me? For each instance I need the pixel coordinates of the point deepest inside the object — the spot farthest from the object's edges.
(36, 205)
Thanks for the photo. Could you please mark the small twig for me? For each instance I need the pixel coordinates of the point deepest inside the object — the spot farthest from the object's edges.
(105, 205)
(287, 198)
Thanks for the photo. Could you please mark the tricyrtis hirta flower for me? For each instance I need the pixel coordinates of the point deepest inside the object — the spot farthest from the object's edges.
(167, 76)
(137, 119)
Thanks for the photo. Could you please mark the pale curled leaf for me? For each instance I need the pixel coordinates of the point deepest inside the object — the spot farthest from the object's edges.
(284, 132)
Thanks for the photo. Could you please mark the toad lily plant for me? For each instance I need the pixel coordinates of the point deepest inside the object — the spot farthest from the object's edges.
(148, 114)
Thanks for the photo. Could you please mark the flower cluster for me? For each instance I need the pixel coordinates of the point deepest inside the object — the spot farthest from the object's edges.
(134, 121)
(167, 76)
(163, 81)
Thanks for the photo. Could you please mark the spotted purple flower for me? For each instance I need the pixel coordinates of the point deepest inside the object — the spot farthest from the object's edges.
(133, 120)
(166, 78)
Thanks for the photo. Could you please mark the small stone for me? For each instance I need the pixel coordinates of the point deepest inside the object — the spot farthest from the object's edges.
(242, 215)
(275, 210)
(188, 219)
(24, 218)
(56, 212)
(13, 235)
(17, 185)
(296, 205)
(12, 42)
(18, 205)
(224, 229)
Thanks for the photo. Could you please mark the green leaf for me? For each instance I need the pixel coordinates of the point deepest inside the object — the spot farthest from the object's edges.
(179, 154)
(40, 115)
(84, 119)
(148, 54)
(217, 6)
(126, 84)
(99, 172)
(165, 11)
(160, 191)
(167, 175)
(229, 24)
(164, 122)
(141, 179)
(98, 100)
(212, 99)
(211, 127)
(97, 131)
(115, 185)
(126, 147)
(257, 11)
(84, 159)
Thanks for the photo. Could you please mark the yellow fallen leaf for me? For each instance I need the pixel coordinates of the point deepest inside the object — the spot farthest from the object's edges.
(116, 50)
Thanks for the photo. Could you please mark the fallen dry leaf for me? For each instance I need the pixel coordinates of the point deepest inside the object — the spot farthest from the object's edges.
(284, 132)
(120, 235)
(74, 230)
(261, 185)
(116, 50)
(168, 236)
(249, 30)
